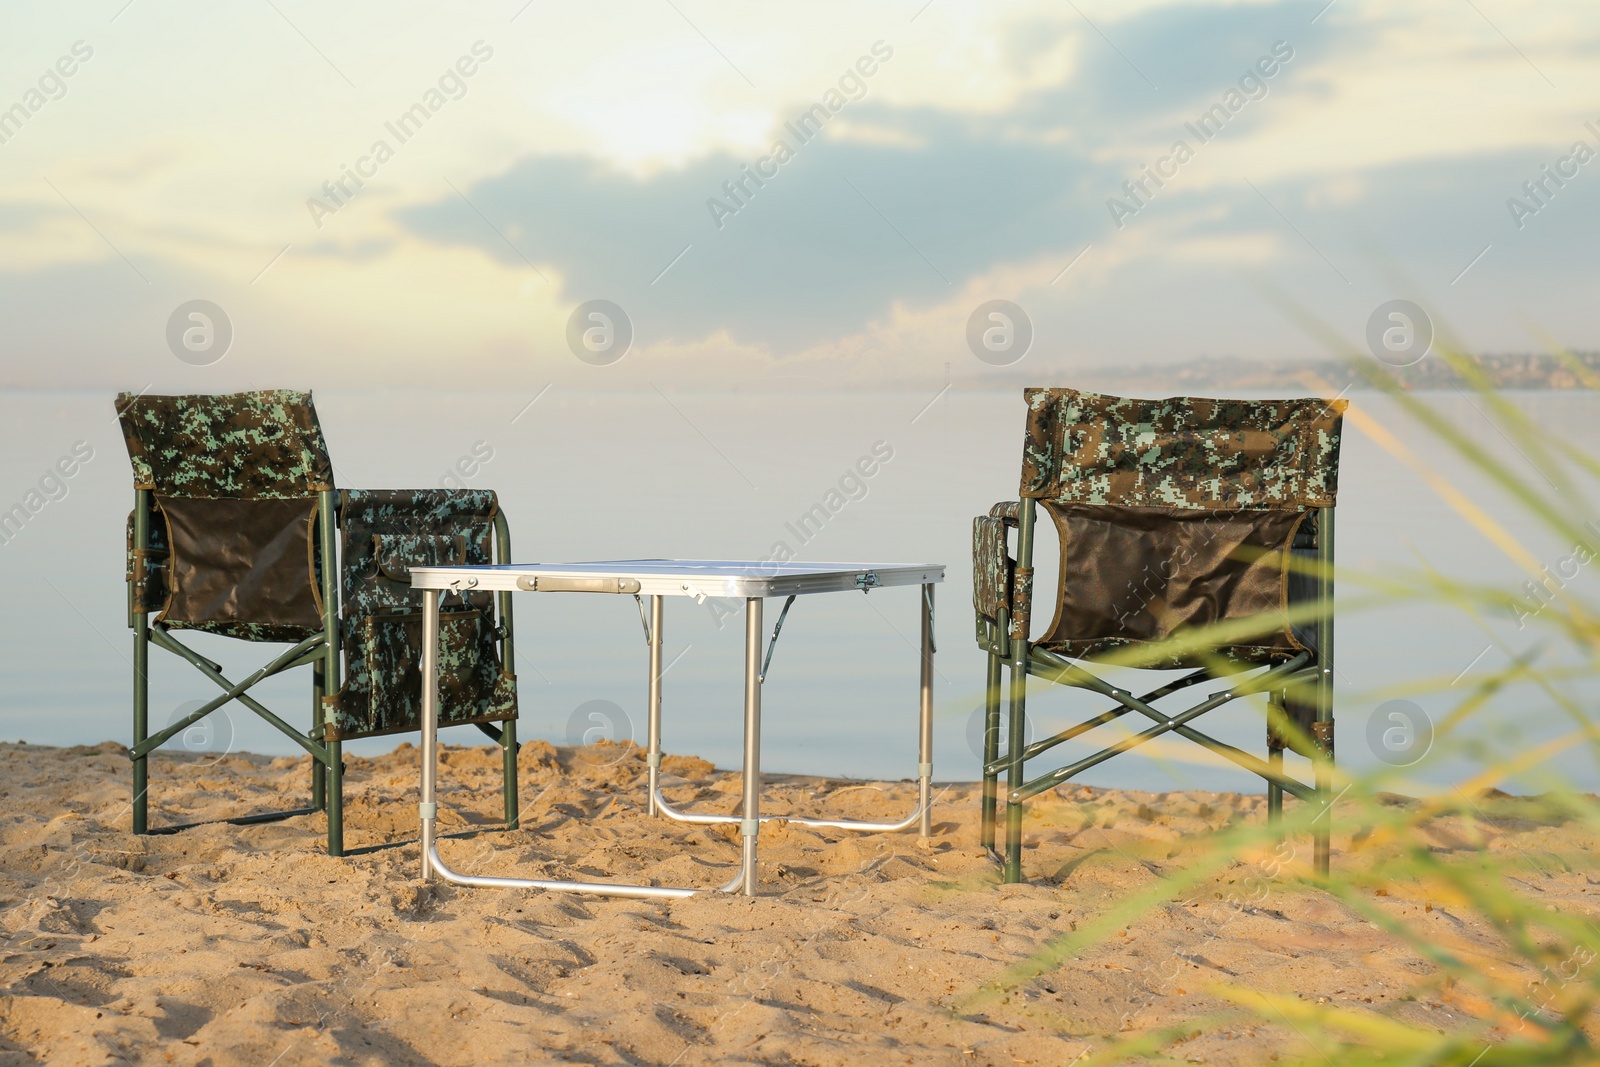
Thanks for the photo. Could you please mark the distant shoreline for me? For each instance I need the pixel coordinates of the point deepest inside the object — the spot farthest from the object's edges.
(1526, 372)
(1510, 372)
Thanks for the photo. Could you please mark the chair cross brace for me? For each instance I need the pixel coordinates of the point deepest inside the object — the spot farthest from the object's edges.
(1046, 744)
(1285, 674)
(234, 691)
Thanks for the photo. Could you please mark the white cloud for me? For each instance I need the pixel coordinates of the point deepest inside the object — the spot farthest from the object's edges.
(193, 145)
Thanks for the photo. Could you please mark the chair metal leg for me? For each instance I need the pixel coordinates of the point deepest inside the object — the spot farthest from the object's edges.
(141, 722)
(1276, 711)
(1016, 733)
(1016, 730)
(335, 798)
(1323, 739)
(508, 754)
(319, 779)
(1322, 748)
(1274, 790)
(140, 621)
(1324, 832)
(327, 519)
(991, 750)
(508, 662)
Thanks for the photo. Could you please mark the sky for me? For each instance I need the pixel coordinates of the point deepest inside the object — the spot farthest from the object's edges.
(431, 195)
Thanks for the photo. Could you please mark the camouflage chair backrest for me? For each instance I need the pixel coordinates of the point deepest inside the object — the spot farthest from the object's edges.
(1177, 514)
(234, 479)
(260, 445)
(1181, 452)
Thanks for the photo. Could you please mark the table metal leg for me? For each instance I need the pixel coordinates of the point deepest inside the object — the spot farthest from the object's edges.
(858, 825)
(750, 819)
(654, 755)
(921, 815)
(925, 740)
(429, 807)
(750, 827)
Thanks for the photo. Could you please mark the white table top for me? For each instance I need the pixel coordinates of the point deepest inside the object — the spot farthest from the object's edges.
(679, 577)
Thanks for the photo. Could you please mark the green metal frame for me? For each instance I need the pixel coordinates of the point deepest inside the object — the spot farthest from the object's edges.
(506, 733)
(1308, 672)
(320, 651)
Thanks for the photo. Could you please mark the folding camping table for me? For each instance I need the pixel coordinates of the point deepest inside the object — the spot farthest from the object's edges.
(655, 579)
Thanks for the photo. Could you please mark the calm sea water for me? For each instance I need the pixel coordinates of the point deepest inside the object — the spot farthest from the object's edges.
(605, 476)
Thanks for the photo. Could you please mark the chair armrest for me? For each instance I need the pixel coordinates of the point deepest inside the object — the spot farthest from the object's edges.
(998, 584)
(1019, 591)
(1008, 511)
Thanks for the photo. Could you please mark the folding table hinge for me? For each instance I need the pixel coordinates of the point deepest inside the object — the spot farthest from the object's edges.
(642, 620)
(867, 580)
(772, 645)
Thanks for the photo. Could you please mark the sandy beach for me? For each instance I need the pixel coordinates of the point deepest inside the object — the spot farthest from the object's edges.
(231, 944)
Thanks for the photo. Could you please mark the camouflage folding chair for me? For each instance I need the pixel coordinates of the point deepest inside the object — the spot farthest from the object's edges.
(1195, 534)
(237, 530)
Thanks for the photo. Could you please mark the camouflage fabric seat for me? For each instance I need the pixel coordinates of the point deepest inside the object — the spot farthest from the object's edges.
(1194, 534)
(237, 530)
